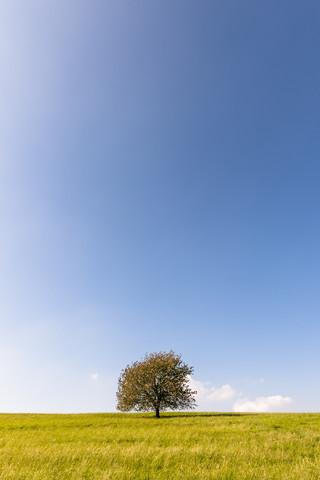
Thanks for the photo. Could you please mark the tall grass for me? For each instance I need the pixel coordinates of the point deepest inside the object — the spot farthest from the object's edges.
(177, 446)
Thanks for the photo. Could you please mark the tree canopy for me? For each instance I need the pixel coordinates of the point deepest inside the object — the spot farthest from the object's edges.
(156, 383)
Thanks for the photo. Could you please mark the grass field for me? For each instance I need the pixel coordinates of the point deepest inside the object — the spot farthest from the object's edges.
(177, 446)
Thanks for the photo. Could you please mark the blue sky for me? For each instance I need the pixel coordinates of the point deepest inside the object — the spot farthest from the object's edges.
(159, 189)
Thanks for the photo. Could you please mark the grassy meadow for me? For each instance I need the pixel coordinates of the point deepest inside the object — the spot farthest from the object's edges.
(177, 446)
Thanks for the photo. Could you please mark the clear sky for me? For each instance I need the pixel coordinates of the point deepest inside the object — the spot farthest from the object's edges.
(159, 189)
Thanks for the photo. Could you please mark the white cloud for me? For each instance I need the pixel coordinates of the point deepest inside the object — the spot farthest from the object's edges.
(94, 376)
(261, 404)
(206, 392)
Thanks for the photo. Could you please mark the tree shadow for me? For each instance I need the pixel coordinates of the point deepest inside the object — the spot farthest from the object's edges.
(194, 415)
(200, 415)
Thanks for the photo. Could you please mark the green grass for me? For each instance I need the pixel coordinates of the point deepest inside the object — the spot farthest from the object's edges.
(178, 446)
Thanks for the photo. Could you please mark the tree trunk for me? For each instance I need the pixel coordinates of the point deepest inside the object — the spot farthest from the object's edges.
(157, 413)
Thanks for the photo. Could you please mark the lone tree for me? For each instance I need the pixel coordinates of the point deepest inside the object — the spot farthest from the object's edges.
(158, 382)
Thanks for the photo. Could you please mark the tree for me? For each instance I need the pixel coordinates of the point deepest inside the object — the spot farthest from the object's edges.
(158, 382)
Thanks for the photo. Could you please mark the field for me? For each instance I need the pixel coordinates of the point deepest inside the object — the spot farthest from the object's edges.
(177, 446)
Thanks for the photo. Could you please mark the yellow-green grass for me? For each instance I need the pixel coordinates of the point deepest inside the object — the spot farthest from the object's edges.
(177, 446)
